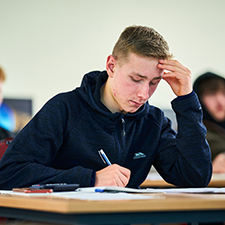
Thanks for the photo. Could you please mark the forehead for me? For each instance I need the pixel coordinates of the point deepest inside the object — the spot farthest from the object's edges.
(212, 86)
(145, 67)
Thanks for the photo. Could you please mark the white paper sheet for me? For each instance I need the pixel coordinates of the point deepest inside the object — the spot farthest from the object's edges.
(96, 196)
(195, 190)
(118, 189)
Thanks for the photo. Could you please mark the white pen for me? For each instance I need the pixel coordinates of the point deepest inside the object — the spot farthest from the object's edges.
(104, 157)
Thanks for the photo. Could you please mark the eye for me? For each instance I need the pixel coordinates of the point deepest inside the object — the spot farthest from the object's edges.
(135, 80)
(154, 83)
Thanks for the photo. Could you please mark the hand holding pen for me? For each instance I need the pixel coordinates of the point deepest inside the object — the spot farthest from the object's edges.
(112, 175)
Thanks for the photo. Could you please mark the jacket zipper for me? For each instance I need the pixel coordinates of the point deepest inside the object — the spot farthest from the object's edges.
(121, 139)
(123, 128)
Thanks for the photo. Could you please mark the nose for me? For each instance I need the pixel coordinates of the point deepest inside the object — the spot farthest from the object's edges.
(144, 92)
(220, 98)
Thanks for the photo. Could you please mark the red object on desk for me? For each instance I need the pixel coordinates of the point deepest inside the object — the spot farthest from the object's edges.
(32, 190)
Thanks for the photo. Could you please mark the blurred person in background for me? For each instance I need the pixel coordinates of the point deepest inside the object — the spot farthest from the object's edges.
(210, 88)
(4, 133)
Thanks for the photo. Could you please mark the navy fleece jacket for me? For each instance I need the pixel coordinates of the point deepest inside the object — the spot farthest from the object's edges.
(61, 142)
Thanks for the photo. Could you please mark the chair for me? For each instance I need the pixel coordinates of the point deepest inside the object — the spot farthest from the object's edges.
(4, 145)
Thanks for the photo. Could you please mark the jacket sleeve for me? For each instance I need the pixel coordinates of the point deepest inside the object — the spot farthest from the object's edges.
(28, 157)
(185, 161)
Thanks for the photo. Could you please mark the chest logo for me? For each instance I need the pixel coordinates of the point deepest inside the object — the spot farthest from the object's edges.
(139, 155)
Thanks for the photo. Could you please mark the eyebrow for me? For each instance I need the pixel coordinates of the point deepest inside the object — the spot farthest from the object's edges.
(144, 77)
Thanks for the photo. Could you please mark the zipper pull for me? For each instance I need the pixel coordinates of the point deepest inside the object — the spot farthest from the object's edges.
(124, 132)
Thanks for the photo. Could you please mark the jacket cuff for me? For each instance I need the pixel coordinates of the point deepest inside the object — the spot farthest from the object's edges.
(184, 96)
(92, 184)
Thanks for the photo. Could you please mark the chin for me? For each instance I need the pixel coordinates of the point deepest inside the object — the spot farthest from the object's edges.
(219, 119)
(132, 110)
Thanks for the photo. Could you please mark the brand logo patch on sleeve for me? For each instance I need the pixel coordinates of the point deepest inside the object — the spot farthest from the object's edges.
(139, 155)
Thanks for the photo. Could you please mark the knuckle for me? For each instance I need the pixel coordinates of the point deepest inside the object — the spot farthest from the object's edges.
(113, 182)
(188, 71)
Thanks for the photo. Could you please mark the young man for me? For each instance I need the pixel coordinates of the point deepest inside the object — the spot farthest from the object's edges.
(110, 112)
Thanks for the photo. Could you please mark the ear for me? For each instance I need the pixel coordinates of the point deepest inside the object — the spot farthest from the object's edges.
(110, 65)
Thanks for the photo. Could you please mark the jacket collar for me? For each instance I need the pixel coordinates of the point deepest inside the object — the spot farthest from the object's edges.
(90, 91)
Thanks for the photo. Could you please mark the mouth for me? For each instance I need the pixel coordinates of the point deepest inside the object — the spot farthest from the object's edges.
(137, 104)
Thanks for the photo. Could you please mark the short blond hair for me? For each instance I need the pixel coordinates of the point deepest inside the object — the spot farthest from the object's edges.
(2, 75)
(143, 41)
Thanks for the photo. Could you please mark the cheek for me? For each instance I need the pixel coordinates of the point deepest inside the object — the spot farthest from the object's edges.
(223, 101)
(114, 92)
(152, 90)
(123, 88)
(209, 104)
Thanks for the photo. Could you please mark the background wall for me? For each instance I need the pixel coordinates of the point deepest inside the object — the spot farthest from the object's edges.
(47, 45)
